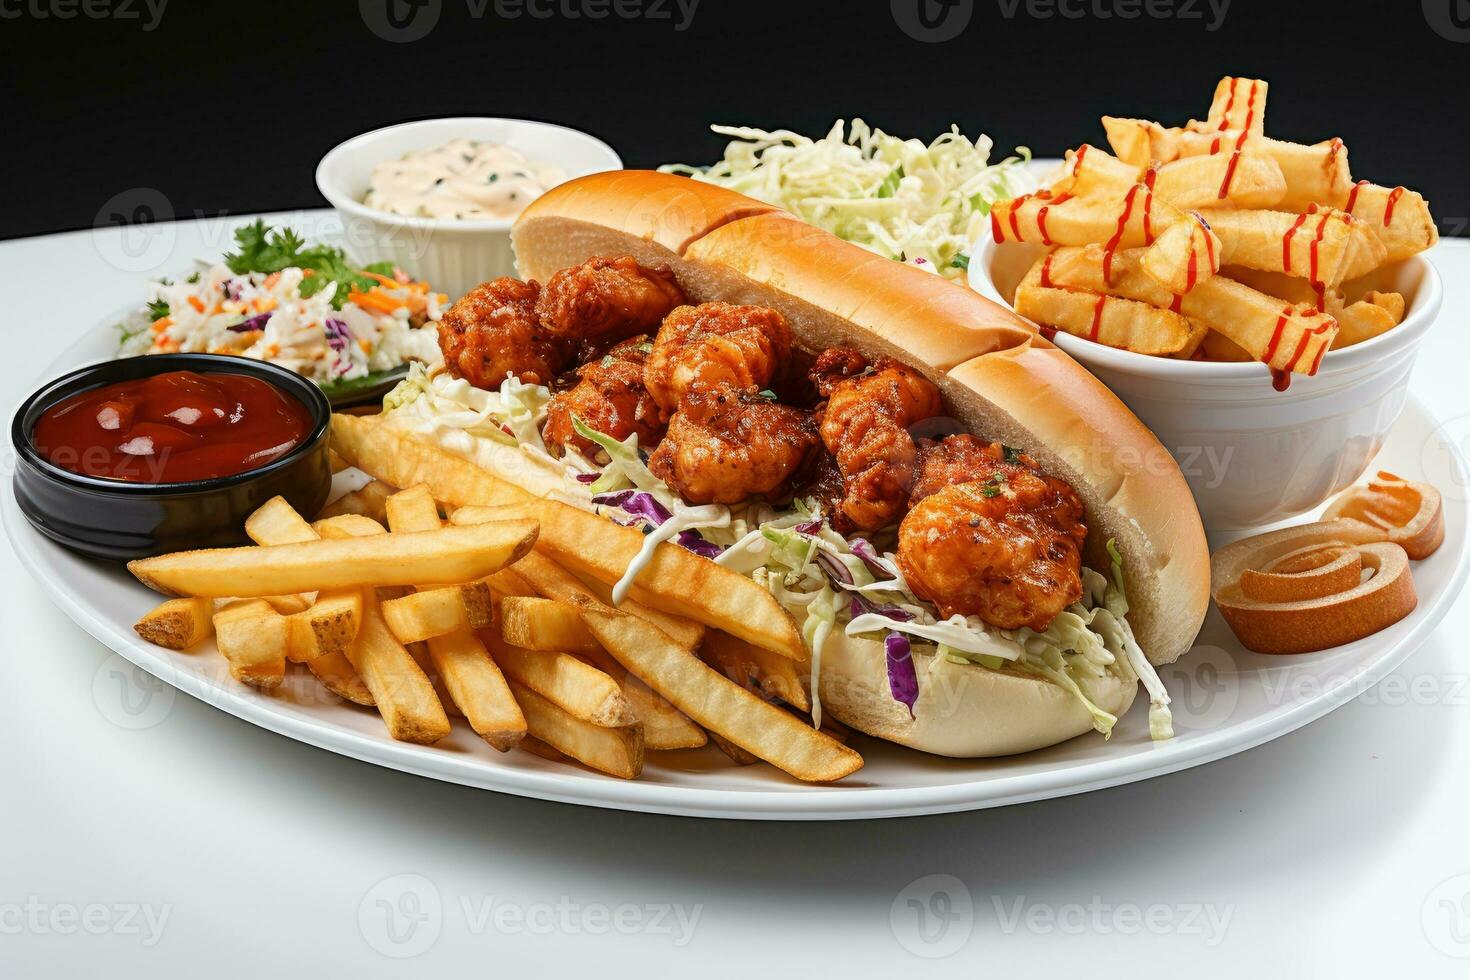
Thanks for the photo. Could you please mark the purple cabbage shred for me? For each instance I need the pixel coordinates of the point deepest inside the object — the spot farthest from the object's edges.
(903, 682)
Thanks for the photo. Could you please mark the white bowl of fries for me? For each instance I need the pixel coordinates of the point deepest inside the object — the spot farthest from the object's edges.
(1254, 455)
(1254, 304)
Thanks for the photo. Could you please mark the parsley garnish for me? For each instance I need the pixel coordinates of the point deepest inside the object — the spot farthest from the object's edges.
(1011, 454)
(158, 309)
(262, 249)
(960, 261)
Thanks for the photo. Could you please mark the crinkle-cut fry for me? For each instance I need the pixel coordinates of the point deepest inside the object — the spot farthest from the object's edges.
(253, 638)
(367, 500)
(1324, 247)
(1313, 174)
(715, 703)
(1111, 320)
(472, 681)
(1185, 255)
(448, 555)
(1123, 217)
(1286, 336)
(1278, 284)
(1252, 180)
(572, 684)
(675, 580)
(754, 668)
(615, 751)
(405, 459)
(1238, 103)
(178, 624)
(1398, 217)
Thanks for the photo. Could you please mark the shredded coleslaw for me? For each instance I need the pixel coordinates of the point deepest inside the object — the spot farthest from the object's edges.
(921, 203)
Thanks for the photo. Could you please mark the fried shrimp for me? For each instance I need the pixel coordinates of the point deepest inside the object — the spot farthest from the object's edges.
(605, 300)
(716, 344)
(610, 398)
(865, 426)
(493, 332)
(725, 446)
(992, 537)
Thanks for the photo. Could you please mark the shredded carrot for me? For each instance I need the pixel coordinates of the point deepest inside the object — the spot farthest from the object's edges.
(162, 324)
(380, 278)
(271, 280)
(265, 303)
(365, 344)
(195, 302)
(375, 301)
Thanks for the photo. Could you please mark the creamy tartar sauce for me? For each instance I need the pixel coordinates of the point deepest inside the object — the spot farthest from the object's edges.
(462, 179)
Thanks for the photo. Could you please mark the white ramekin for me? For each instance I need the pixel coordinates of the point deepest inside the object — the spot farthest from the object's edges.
(451, 255)
(1253, 455)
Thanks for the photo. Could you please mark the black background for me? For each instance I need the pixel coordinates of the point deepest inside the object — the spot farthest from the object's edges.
(226, 108)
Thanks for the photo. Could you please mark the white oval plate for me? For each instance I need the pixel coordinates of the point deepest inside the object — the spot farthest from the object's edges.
(1226, 700)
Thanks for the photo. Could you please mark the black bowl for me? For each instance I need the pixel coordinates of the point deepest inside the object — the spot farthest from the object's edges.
(120, 521)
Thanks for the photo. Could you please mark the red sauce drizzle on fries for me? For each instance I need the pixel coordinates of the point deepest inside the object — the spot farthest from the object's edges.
(1353, 196)
(1276, 337)
(1077, 159)
(1178, 303)
(1312, 277)
(1097, 312)
(1048, 331)
(1046, 270)
(1250, 115)
(1280, 380)
(1230, 167)
(1393, 197)
(1230, 102)
(1041, 215)
(1111, 247)
(1286, 242)
(1148, 203)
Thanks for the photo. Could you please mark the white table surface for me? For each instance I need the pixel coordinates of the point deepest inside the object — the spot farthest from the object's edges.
(159, 837)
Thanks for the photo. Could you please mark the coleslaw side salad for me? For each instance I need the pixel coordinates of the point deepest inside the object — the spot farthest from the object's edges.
(827, 582)
(920, 203)
(304, 308)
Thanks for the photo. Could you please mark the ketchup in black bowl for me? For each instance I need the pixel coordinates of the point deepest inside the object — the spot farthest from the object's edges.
(172, 428)
(165, 452)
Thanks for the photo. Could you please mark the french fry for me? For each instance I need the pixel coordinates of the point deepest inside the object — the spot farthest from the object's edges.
(1278, 284)
(347, 526)
(1325, 246)
(508, 581)
(452, 554)
(403, 693)
(1369, 317)
(735, 753)
(276, 522)
(328, 626)
(367, 500)
(1286, 336)
(681, 629)
(615, 751)
(421, 615)
(253, 637)
(1185, 255)
(1318, 173)
(472, 679)
(714, 702)
(754, 668)
(335, 460)
(1254, 180)
(1218, 347)
(536, 747)
(178, 624)
(544, 624)
(665, 727)
(674, 581)
(404, 459)
(338, 675)
(1239, 103)
(1111, 320)
(572, 685)
(1398, 218)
